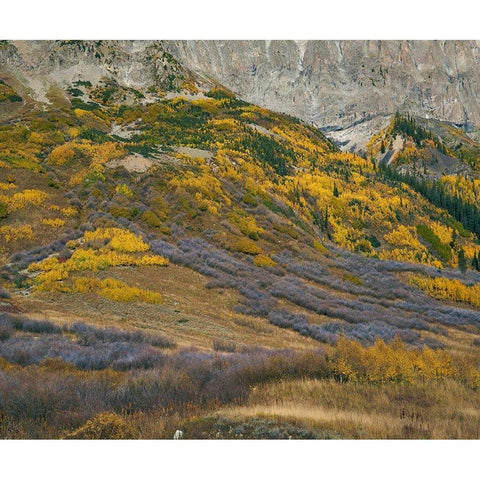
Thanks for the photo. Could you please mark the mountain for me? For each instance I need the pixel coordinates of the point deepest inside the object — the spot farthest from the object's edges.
(336, 84)
(166, 247)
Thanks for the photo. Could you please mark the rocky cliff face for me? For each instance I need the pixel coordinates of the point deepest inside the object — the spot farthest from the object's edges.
(336, 84)
(37, 65)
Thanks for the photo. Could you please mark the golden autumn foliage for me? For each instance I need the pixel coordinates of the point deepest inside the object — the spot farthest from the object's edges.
(13, 233)
(88, 259)
(246, 245)
(205, 183)
(317, 245)
(120, 240)
(124, 190)
(95, 155)
(63, 154)
(115, 290)
(403, 236)
(446, 289)
(443, 232)
(224, 124)
(104, 426)
(245, 223)
(122, 248)
(7, 186)
(264, 261)
(25, 198)
(395, 362)
(53, 222)
(408, 248)
(91, 120)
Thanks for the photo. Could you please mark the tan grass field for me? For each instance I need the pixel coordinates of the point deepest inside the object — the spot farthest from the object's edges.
(355, 410)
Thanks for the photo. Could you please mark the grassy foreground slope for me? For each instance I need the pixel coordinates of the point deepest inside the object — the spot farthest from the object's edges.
(183, 263)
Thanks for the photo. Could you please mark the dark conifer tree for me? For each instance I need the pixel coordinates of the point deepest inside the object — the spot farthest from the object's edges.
(462, 261)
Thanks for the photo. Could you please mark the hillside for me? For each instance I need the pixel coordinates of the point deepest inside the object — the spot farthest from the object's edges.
(152, 222)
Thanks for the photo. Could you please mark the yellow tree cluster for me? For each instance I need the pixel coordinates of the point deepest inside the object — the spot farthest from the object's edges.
(124, 190)
(394, 362)
(115, 290)
(264, 261)
(53, 222)
(13, 233)
(407, 248)
(7, 186)
(26, 198)
(119, 239)
(204, 188)
(123, 249)
(245, 223)
(446, 289)
(92, 156)
(466, 188)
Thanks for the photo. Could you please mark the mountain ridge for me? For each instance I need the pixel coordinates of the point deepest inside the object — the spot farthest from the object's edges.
(338, 83)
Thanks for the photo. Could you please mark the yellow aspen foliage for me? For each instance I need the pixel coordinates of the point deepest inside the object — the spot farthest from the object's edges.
(156, 260)
(373, 146)
(317, 245)
(105, 152)
(206, 204)
(53, 271)
(124, 190)
(264, 261)
(63, 154)
(124, 248)
(394, 362)
(246, 245)
(52, 281)
(95, 154)
(404, 236)
(115, 290)
(205, 183)
(210, 105)
(7, 186)
(74, 132)
(246, 224)
(78, 177)
(53, 222)
(446, 289)
(224, 124)
(26, 198)
(409, 255)
(225, 166)
(436, 364)
(125, 241)
(443, 232)
(13, 233)
(470, 250)
(90, 120)
(69, 211)
(88, 259)
(120, 240)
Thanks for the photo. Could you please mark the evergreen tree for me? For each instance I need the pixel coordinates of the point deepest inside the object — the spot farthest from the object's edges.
(462, 261)
(453, 242)
(475, 262)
